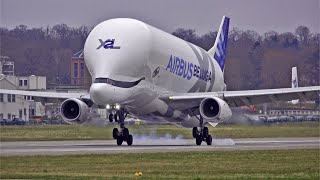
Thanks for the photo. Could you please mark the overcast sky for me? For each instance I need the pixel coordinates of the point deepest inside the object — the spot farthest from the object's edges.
(168, 15)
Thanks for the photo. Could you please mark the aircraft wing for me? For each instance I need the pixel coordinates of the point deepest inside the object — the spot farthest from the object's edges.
(243, 98)
(47, 96)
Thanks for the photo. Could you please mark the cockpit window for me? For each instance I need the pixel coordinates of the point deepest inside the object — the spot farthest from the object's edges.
(122, 84)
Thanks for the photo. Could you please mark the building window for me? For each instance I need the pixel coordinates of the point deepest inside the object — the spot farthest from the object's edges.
(1, 116)
(9, 116)
(1, 97)
(25, 82)
(20, 82)
(75, 82)
(25, 111)
(13, 98)
(32, 112)
(81, 69)
(9, 99)
(75, 68)
(20, 113)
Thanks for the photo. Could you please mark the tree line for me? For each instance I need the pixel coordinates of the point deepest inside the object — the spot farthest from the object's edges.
(254, 61)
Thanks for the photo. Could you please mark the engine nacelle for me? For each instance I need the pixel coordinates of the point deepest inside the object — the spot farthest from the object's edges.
(74, 111)
(215, 109)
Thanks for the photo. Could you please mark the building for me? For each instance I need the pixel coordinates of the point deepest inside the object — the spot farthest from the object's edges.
(6, 66)
(28, 82)
(12, 106)
(18, 106)
(80, 75)
(294, 112)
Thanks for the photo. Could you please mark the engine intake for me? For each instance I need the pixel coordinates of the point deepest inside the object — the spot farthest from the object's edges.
(74, 111)
(215, 109)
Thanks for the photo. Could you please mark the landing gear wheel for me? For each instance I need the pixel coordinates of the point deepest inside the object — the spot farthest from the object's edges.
(125, 133)
(194, 132)
(205, 132)
(129, 140)
(110, 117)
(115, 133)
(209, 140)
(119, 140)
(198, 140)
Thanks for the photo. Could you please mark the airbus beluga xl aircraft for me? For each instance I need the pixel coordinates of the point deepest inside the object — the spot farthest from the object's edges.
(140, 70)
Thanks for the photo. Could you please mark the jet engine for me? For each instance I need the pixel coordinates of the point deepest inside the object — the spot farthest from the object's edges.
(215, 109)
(75, 111)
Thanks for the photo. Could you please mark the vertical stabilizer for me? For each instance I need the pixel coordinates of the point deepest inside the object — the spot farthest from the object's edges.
(294, 82)
(218, 51)
(294, 77)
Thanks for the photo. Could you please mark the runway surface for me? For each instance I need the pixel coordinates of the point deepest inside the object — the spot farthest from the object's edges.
(151, 145)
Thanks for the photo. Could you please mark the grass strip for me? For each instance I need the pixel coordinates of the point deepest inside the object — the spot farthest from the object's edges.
(288, 164)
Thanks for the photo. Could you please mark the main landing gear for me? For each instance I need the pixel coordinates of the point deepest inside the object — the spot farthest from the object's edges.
(123, 134)
(202, 134)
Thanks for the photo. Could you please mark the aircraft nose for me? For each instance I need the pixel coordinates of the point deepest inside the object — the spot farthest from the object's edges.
(103, 94)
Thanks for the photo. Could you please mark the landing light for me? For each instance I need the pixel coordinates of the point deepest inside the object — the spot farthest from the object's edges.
(108, 106)
(117, 106)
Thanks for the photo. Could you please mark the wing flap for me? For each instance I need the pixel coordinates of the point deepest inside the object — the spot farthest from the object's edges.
(245, 98)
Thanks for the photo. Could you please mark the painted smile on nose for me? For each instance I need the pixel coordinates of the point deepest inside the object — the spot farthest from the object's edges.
(121, 84)
(108, 91)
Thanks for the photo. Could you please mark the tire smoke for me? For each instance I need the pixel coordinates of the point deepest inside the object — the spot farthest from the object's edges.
(167, 139)
(223, 142)
(154, 139)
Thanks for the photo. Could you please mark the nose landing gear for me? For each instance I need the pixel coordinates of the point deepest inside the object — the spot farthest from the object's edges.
(124, 134)
(202, 134)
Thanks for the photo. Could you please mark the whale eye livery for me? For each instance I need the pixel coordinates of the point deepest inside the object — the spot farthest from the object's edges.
(156, 72)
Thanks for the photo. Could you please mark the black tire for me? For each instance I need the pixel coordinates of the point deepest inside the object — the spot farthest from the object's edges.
(115, 118)
(209, 140)
(194, 132)
(205, 132)
(110, 117)
(119, 140)
(115, 133)
(198, 140)
(125, 133)
(129, 140)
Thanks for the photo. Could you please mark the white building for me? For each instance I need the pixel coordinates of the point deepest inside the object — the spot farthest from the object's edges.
(28, 82)
(17, 106)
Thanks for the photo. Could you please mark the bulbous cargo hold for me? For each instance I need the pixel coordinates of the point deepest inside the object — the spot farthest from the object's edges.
(115, 45)
(127, 50)
(75, 111)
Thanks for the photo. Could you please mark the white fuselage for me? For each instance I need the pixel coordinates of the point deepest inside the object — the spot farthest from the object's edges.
(133, 63)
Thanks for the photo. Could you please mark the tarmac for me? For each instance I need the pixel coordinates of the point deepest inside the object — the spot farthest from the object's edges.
(141, 145)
